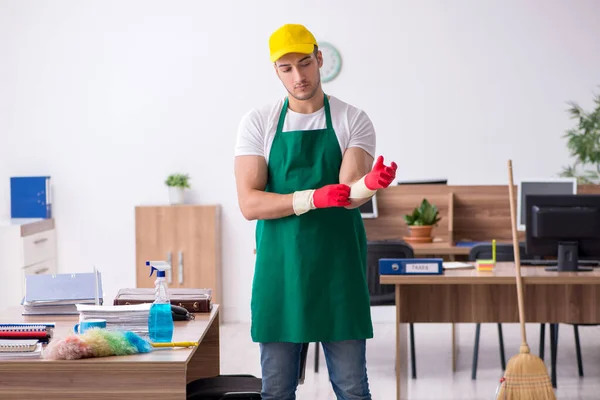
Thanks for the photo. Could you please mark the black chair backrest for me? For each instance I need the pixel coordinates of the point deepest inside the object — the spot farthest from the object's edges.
(383, 294)
(504, 252)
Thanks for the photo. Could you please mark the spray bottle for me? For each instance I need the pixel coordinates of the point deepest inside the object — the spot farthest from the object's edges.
(160, 320)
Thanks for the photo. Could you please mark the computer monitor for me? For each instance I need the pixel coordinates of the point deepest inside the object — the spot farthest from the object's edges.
(563, 226)
(528, 187)
(369, 209)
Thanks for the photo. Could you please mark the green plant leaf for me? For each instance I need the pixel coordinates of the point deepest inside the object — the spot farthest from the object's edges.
(583, 142)
(178, 180)
(425, 214)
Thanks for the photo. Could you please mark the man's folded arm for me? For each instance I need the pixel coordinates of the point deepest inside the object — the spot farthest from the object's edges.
(254, 202)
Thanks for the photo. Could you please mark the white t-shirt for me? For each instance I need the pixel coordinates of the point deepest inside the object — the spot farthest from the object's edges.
(352, 127)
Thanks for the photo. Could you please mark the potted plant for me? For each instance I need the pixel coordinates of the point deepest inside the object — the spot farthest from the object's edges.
(177, 183)
(421, 222)
(584, 144)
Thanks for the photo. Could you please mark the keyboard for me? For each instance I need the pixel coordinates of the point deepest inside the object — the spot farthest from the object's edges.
(550, 263)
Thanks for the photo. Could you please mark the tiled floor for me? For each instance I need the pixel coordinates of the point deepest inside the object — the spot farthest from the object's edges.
(435, 379)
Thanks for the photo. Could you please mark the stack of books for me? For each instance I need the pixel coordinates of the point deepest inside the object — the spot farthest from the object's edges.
(40, 331)
(132, 318)
(59, 294)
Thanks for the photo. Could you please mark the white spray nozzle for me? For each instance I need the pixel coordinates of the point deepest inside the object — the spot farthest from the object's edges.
(160, 266)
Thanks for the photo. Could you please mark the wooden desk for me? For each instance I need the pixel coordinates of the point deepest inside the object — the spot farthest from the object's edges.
(471, 296)
(439, 249)
(161, 374)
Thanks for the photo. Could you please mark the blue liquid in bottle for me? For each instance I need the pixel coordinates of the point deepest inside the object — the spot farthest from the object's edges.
(160, 323)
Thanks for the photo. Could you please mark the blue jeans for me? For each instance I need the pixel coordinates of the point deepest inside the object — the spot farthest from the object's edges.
(346, 363)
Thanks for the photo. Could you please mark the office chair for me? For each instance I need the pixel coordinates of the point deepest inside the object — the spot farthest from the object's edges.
(483, 251)
(230, 387)
(384, 295)
(554, 347)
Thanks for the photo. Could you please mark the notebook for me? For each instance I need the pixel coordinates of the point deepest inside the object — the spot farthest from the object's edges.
(27, 327)
(20, 349)
(18, 345)
(40, 331)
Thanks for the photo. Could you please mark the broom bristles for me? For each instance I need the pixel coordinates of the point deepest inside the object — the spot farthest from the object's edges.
(526, 378)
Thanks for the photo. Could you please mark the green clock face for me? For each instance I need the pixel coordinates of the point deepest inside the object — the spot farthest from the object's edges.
(332, 61)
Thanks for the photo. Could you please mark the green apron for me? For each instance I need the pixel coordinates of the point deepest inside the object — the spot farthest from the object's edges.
(310, 281)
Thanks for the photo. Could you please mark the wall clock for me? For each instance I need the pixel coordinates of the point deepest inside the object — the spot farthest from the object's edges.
(332, 61)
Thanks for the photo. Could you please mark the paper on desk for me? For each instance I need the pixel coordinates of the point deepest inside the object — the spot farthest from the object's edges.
(126, 308)
(457, 265)
(126, 317)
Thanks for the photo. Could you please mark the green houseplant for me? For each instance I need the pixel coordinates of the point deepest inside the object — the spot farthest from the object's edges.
(584, 144)
(177, 183)
(421, 222)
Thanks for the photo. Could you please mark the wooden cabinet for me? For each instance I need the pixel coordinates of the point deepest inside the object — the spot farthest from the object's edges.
(27, 246)
(186, 236)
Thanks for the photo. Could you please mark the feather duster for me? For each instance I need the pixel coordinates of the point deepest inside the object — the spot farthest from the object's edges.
(96, 342)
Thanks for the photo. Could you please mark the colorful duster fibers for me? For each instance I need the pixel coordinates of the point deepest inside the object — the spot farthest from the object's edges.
(96, 342)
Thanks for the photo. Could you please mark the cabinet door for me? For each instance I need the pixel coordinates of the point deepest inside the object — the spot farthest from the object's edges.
(196, 256)
(155, 241)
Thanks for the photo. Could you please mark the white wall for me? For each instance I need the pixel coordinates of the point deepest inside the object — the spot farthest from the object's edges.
(109, 97)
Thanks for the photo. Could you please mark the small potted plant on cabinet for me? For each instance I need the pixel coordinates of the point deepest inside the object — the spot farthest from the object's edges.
(177, 184)
(421, 222)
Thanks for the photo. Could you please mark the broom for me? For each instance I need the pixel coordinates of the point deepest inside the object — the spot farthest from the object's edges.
(526, 376)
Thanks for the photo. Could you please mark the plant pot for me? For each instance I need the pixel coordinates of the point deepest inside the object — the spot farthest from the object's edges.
(419, 234)
(176, 195)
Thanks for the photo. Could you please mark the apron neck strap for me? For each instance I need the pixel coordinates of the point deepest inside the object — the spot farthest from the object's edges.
(285, 108)
(327, 114)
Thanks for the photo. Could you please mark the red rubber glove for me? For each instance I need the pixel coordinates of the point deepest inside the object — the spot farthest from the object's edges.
(380, 176)
(332, 196)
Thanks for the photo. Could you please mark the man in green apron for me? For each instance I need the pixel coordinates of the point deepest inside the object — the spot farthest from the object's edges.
(303, 166)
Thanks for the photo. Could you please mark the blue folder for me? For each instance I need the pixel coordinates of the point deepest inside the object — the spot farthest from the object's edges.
(411, 266)
(30, 197)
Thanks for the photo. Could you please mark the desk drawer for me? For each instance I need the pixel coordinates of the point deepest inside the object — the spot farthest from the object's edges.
(45, 267)
(39, 247)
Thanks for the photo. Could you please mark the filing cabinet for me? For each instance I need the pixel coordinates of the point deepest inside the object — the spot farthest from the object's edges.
(27, 246)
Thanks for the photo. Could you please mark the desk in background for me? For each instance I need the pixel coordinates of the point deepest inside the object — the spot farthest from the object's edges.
(470, 214)
(159, 375)
(439, 249)
(471, 296)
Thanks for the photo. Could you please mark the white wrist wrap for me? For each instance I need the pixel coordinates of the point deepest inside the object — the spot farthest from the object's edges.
(359, 190)
(303, 201)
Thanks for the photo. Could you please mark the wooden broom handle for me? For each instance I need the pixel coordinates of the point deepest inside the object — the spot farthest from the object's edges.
(511, 189)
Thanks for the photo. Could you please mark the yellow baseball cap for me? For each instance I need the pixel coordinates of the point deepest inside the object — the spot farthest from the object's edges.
(291, 38)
